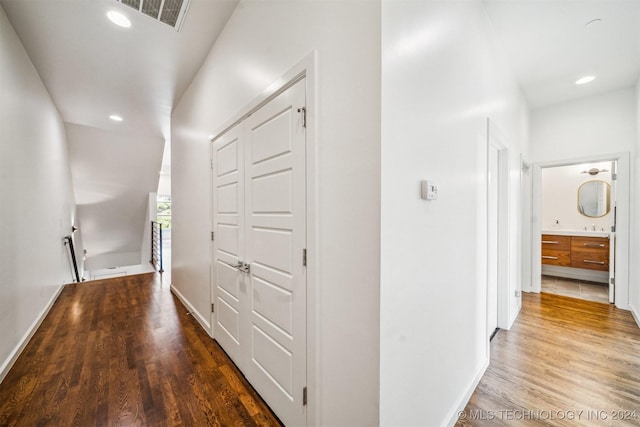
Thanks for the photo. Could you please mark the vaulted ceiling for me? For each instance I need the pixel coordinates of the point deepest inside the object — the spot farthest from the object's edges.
(94, 69)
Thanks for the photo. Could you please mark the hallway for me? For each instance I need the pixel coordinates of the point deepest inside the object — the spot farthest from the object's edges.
(564, 362)
(124, 352)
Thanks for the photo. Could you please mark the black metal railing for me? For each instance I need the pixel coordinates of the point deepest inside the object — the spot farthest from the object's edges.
(156, 246)
(68, 241)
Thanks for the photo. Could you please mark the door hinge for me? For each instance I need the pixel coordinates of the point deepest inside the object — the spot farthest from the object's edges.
(614, 176)
(213, 236)
(303, 110)
(613, 280)
(304, 396)
(304, 257)
(613, 228)
(211, 164)
(213, 308)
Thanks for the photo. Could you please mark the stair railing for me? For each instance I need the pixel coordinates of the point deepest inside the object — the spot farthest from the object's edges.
(156, 246)
(68, 242)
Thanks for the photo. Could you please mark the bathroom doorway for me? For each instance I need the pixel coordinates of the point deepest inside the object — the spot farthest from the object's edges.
(577, 218)
(580, 223)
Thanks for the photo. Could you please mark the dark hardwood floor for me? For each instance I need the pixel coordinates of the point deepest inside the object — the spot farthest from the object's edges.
(125, 352)
(564, 362)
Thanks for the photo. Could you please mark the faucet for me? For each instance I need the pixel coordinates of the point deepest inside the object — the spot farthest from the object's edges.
(593, 227)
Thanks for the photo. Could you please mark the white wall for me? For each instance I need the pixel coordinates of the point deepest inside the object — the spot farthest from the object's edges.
(37, 208)
(559, 199)
(634, 274)
(442, 77)
(602, 124)
(113, 174)
(590, 128)
(262, 41)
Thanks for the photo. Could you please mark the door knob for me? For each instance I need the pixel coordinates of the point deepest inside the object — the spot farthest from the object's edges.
(242, 267)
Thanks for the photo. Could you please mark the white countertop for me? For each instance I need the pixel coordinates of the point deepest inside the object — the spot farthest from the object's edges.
(560, 232)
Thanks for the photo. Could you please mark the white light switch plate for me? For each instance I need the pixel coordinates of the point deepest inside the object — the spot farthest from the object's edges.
(428, 190)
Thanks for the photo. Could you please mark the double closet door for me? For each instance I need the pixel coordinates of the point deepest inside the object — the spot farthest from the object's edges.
(259, 256)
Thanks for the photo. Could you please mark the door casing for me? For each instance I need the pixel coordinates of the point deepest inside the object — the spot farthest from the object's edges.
(307, 69)
(622, 223)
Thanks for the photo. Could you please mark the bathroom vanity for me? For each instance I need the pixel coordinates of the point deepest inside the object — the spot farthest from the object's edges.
(573, 250)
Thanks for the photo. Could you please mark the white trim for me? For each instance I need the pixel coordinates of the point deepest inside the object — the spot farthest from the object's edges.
(294, 75)
(496, 139)
(192, 310)
(13, 356)
(453, 417)
(635, 314)
(623, 218)
(307, 68)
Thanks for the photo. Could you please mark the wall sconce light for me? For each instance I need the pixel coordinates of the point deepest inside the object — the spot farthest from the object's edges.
(595, 171)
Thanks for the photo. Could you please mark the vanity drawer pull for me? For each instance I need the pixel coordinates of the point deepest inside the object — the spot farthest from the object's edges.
(551, 242)
(550, 257)
(594, 245)
(589, 261)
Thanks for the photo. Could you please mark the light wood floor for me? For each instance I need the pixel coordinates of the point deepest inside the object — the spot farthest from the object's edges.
(561, 357)
(125, 352)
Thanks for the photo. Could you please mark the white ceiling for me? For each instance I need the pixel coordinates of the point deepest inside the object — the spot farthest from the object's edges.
(550, 47)
(93, 69)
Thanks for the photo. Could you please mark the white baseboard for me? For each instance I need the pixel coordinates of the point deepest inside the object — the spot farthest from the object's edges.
(634, 313)
(515, 314)
(13, 356)
(206, 325)
(453, 417)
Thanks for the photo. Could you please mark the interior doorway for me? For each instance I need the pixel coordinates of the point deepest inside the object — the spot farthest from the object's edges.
(578, 252)
(259, 268)
(578, 218)
(492, 253)
(497, 229)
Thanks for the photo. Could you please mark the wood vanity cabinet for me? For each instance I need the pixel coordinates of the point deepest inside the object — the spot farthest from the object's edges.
(576, 251)
(556, 250)
(590, 252)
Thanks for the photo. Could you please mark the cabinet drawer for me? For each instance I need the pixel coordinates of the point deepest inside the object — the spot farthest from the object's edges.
(553, 257)
(558, 243)
(598, 245)
(590, 260)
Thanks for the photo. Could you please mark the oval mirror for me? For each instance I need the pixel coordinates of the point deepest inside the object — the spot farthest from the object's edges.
(593, 199)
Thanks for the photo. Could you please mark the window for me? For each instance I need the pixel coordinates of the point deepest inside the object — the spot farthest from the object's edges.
(164, 211)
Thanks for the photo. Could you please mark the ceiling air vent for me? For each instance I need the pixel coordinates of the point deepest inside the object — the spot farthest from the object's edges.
(170, 12)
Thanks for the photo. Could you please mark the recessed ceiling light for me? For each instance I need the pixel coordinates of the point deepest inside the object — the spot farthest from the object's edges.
(115, 118)
(585, 79)
(118, 19)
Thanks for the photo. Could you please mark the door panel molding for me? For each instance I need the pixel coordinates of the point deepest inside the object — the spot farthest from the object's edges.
(259, 199)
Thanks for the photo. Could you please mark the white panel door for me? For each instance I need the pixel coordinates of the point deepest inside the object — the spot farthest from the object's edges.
(259, 205)
(228, 245)
(275, 224)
